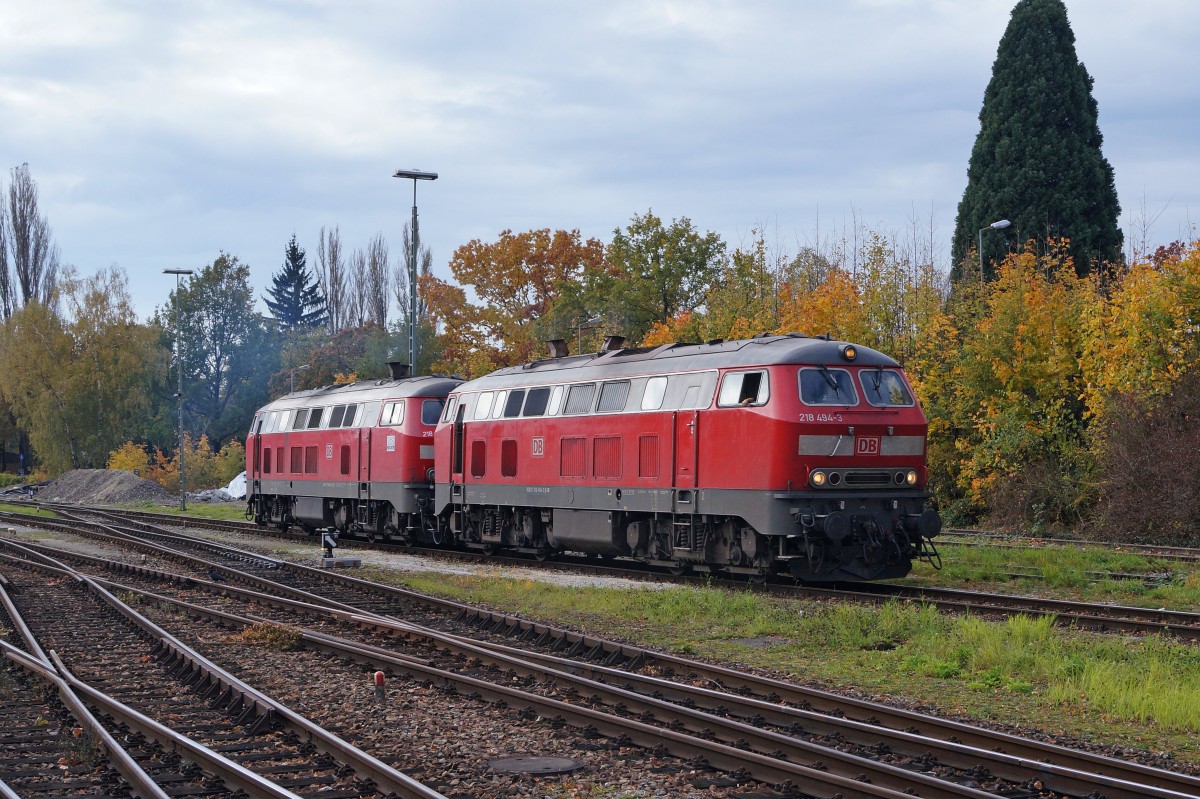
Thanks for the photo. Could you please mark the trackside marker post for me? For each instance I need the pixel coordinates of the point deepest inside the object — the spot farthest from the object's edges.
(379, 686)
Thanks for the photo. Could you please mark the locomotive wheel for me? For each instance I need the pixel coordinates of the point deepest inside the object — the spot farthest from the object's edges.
(541, 554)
(489, 549)
(678, 568)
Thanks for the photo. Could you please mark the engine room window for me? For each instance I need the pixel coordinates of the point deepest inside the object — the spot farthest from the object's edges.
(353, 412)
(285, 418)
(431, 409)
(556, 395)
(393, 414)
(884, 387)
(483, 405)
(579, 398)
(508, 457)
(513, 406)
(301, 419)
(743, 388)
(827, 387)
(314, 418)
(478, 458)
(612, 396)
(656, 390)
(498, 404)
(336, 415)
(535, 402)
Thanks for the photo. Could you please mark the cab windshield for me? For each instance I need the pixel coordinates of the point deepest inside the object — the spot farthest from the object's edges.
(824, 386)
(884, 388)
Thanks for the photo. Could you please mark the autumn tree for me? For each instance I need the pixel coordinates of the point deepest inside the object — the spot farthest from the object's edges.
(1037, 158)
(652, 272)
(1140, 335)
(1018, 389)
(517, 280)
(80, 384)
(295, 299)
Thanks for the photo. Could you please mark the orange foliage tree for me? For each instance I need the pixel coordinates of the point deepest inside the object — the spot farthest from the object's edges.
(516, 279)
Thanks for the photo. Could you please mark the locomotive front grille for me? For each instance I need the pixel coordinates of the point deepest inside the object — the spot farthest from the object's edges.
(865, 478)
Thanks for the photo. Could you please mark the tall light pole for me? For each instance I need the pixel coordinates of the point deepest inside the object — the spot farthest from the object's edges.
(292, 376)
(414, 175)
(1000, 225)
(178, 273)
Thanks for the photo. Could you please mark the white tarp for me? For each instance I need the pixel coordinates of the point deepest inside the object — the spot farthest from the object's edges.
(237, 487)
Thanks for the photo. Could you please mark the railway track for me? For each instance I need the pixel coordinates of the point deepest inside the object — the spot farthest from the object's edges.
(1092, 616)
(654, 697)
(189, 725)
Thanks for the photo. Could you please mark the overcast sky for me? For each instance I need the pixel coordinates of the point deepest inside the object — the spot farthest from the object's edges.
(161, 133)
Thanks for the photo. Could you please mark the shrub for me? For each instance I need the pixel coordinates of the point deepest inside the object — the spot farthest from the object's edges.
(1147, 481)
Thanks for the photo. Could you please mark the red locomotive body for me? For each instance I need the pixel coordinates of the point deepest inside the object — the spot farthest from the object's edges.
(778, 453)
(357, 456)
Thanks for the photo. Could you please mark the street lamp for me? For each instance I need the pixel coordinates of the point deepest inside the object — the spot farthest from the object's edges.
(178, 273)
(414, 175)
(292, 376)
(999, 225)
(581, 323)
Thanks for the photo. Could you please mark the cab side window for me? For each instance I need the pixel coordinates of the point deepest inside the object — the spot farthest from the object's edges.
(744, 388)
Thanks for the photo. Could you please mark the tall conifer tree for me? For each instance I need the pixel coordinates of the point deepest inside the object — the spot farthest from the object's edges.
(296, 301)
(1037, 159)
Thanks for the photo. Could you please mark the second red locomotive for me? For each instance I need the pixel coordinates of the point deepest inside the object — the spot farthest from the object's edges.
(777, 454)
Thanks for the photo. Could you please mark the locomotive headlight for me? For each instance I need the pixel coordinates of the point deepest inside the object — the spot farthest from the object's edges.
(911, 477)
(817, 479)
(849, 352)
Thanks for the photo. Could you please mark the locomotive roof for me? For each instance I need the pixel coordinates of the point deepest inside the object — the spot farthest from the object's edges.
(364, 391)
(765, 350)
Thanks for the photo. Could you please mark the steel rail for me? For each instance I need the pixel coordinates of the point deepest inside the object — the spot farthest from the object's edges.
(139, 782)
(1094, 616)
(1023, 748)
(723, 756)
(738, 734)
(203, 672)
(1077, 777)
(820, 700)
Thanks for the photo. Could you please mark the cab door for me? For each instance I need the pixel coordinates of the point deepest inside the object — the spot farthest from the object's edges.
(686, 432)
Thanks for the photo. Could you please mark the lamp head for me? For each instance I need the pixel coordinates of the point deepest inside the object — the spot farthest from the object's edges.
(415, 174)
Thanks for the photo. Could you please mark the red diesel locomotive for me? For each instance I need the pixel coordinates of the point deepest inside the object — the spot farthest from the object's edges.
(777, 454)
(347, 457)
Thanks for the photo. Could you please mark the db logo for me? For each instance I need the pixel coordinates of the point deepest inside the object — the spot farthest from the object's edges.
(539, 447)
(866, 445)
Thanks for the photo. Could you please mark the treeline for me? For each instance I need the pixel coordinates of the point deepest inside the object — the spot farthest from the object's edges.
(1054, 399)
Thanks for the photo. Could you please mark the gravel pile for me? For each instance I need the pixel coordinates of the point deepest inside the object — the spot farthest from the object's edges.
(100, 486)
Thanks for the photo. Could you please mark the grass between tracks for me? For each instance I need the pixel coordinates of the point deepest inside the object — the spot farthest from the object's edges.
(1022, 671)
(1090, 572)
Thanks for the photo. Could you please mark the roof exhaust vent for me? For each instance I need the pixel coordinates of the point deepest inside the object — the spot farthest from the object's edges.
(613, 343)
(558, 348)
(398, 370)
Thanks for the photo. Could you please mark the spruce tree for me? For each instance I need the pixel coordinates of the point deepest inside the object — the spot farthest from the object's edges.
(296, 300)
(1037, 159)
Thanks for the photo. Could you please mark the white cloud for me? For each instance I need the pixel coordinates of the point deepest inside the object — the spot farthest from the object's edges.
(163, 133)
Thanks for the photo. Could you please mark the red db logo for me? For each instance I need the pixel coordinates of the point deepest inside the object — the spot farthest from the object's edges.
(866, 445)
